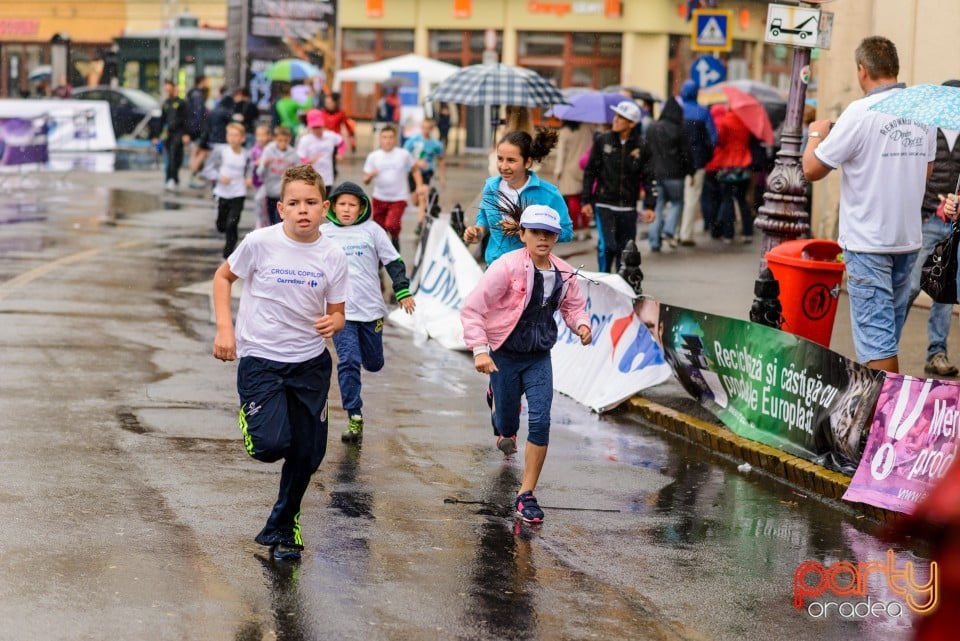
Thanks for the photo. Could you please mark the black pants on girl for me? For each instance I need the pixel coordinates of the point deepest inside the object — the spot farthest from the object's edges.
(228, 220)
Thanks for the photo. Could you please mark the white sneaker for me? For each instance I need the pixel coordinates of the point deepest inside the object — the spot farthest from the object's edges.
(171, 185)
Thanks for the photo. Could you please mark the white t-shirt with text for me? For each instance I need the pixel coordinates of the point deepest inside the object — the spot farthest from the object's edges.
(287, 286)
(883, 161)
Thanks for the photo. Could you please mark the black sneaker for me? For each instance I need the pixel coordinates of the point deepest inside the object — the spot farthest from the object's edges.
(528, 509)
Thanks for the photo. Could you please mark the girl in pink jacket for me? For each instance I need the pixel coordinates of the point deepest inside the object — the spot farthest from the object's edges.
(508, 323)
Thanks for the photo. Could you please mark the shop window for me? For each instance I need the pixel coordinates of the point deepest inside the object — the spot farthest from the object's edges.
(442, 42)
(398, 41)
(573, 59)
(359, 39)
(532, 43)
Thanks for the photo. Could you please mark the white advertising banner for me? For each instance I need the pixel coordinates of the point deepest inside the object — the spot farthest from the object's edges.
(72, 125)
(446, 273)
(622, 360)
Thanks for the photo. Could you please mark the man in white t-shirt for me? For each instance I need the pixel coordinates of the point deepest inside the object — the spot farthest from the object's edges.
(318, 147)
(388, 167)
(886, 162)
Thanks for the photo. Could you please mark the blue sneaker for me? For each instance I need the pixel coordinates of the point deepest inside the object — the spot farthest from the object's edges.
(285, 552)
(528, 509)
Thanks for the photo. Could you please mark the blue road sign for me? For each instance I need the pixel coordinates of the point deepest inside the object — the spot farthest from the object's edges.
(707, 71)
(711, 30)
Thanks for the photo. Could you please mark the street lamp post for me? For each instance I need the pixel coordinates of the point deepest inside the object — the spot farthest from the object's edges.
(784, 215)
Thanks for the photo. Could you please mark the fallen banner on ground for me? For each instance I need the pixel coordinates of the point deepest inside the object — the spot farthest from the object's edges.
(911, 445)
(444, 274)
(622, 360)
(773, 387)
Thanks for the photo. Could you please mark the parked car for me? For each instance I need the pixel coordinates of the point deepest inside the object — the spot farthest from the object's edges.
(133, 112)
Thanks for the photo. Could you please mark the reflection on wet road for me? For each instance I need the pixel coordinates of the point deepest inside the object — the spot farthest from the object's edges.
(646, 536)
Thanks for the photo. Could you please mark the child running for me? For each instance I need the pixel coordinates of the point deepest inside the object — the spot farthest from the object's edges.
(276, 159)
(261, 137)
(319, 146)
(388, 167)
(361, 342)
(293, 298)
(511, 330)
(230, 168)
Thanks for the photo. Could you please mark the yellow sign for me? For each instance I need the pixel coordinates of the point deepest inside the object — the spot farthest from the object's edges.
(711, 30)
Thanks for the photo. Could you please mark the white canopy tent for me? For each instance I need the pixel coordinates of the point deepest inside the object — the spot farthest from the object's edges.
(431, 71)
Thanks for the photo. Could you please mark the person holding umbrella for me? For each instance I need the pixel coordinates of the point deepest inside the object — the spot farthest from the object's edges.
(886, 163)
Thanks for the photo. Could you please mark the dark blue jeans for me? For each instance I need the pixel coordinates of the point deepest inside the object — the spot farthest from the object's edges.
(517, 375)
(283, 414)
(358, 344)
(730, 193)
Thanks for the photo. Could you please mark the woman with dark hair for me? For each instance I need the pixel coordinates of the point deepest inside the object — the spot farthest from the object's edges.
(516, 187)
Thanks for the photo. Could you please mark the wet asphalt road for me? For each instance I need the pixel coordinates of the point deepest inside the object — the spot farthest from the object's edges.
(128, 506)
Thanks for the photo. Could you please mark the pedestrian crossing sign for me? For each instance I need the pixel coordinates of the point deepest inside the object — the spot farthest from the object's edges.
(710, 30)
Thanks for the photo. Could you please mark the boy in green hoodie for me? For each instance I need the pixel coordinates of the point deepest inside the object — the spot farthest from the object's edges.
(360, 343)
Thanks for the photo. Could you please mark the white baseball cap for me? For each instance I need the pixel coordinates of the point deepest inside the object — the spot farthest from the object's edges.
(628, 109)
(540, 217)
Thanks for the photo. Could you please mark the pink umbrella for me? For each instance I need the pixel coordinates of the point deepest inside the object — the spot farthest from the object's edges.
(751, 112)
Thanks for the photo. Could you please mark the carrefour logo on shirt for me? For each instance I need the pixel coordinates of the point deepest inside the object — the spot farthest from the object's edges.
(297, 277)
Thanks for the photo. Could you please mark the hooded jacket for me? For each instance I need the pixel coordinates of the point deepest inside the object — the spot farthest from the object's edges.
(669, 148)
(699, 125)
(369, 237)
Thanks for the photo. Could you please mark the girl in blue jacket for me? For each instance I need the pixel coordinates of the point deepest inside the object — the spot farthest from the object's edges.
(517, 184)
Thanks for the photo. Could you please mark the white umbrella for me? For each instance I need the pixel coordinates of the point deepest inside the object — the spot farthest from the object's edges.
(40, 73)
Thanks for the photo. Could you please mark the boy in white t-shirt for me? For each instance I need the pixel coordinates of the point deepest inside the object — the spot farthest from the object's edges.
(294, 296)
(318, 146)
(366, 246)
(388, 168)
(230, 169)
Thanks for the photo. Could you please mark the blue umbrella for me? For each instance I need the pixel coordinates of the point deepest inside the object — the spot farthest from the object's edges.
(589, 107)
(932, 105)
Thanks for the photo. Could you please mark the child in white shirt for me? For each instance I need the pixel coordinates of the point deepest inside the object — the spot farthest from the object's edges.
(367, 246)
(230, 169)
(388, 168)
(318, 147)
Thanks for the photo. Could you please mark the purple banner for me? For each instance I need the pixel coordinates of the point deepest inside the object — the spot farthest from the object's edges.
(22, 142)
(911, 445)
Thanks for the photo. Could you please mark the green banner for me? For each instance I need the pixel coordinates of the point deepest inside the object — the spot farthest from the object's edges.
(773, 387)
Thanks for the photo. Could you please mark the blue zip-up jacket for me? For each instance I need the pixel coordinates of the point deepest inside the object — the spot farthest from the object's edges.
(537, 192)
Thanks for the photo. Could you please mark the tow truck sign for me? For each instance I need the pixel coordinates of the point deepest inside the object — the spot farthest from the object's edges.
(791, 25)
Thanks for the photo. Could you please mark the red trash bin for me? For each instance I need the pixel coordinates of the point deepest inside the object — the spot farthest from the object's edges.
(809, 273)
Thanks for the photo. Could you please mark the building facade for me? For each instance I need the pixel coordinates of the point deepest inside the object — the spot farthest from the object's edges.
(598, 43)
(27, 29)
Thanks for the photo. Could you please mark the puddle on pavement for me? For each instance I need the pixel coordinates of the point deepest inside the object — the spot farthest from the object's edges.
(22, 212)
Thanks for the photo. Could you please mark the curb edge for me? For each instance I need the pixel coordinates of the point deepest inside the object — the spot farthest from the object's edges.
(781, 465)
